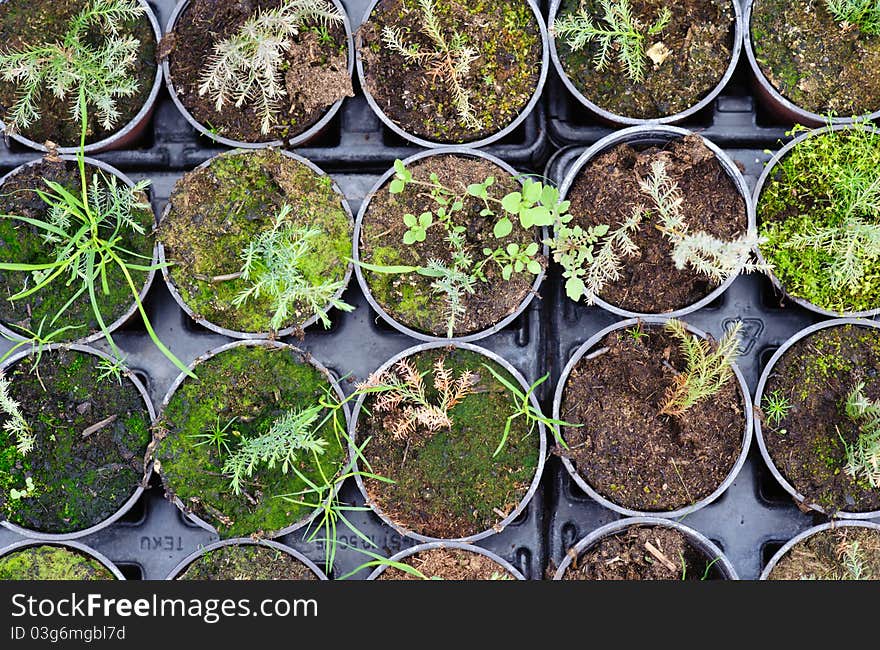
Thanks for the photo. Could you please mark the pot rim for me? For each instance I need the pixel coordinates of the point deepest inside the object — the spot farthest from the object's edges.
(148, 466)
(82, 549)
(678, 513)
(183, 565)
(542, 451)
(428, 546)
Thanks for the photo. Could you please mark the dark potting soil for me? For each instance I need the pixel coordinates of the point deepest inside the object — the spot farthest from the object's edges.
(217, 211)
(607, 190)
(816, 375)
(51, 563)
(627, 450)
(243, 390)
(625, 556)
(815, 61)
(315, 69)
(448, 484)
(81, 476)
(502, 80)
(448, 564)
(409, 298)
(23, 243)
(699, 37)
(247, 562)
(26, 23)
(845, 553)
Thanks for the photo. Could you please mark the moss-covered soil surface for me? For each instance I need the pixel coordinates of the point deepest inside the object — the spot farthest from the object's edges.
(607, 190)
(23, 243)
(626, 556)
(51, 563)
(699, 39)
(31, 23)
(626, 449)
(244, 390)
(847, 553)
(448, 484)
(813, 60)
(410, 298)
(501, 82)
(215, 212)
(448, 564)
(80, 475)
(247, 562)
(815, 376)
(315, 70)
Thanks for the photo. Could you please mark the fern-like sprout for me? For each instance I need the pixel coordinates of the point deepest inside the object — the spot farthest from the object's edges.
(621, 32)
(864, 14)
(247, 67)
(272, 265)
(15, 424)
(863, 457)
(450, 60)
(75, 65)
(708, 369)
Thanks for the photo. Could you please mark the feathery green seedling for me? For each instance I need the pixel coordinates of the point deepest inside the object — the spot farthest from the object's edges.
(113, 368)
(863, 14)
(218, 436)
(863, 457)
(248, 67)
(450, 60)
(776, 407)
(15, 424)
(622, 32)
(75, 67)
(272, 264)
(708, 369)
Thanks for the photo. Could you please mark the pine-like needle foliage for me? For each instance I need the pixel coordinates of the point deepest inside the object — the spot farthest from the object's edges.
(864, 14)
(272, 263)
(863, 457)
(290, 435)
(74, 65)
(15, 424)
(248, 66)
(450, 60)
(708, 368)
(621, 32)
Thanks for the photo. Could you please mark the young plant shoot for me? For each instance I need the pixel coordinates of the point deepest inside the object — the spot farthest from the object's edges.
(863, 457)
(862, 14)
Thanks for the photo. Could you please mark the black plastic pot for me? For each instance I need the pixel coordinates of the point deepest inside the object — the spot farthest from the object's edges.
(654, 135)
(251, 335)
(277, 345)
(536, 481)
(82, 549)
(604, 501)
(244, 541)
(302, 139)
(799, 498)
(148, 467)
(697, 540)
(781, 553)
(128, 134)
(422, 142)
(365, 206)
(119, 322)
(400, 557)
(614, 119)
(756, 200)
(776, 103)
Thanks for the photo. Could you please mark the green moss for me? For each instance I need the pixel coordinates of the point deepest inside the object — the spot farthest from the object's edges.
(80, 481)
(51, 563)
(247, 562)
(451, 485)
(216, 212)
(254, 385)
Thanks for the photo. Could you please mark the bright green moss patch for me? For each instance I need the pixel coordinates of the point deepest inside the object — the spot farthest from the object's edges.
(23, 243)
(247, 562)
(51, 563)
(218, 210)
(249, 387)
(448, 484)
(76, 480)
(820, 214)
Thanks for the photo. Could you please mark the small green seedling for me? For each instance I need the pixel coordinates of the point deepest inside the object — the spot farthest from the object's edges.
(776, 407)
